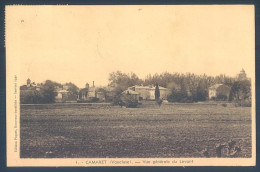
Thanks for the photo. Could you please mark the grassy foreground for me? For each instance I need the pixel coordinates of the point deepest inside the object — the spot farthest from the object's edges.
(173, 130)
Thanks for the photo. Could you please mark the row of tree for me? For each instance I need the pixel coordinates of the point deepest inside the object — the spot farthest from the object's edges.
(184, 87)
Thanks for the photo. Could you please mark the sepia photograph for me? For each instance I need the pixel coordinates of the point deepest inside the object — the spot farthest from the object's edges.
(130, 85)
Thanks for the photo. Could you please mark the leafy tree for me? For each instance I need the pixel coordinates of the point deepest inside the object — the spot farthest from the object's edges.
(123, 80)
(73, 91)
(45, 95)
(120, 82)
(30, 97)
(201, 92)
(128, 100)
(221, 97)
(47, 92)
(72, 88)
(240, 90)
(173, 86)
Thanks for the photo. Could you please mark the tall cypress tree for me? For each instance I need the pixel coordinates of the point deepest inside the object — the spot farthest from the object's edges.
(157, 92)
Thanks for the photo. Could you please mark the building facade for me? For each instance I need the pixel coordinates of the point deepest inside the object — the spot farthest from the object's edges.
(148, 92)
(89, 94)
(61, 95)
(219, 92)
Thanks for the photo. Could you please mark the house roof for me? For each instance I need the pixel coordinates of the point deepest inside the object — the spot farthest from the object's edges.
(130, 92)
(148, 87)
(62, 91)
(217, 86)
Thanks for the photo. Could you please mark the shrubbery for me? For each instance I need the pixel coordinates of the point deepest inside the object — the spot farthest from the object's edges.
(243, 103)
(116, 100)
(128, 101)
(45, 95)
(30, 97)
(222, 97)
(177, 96)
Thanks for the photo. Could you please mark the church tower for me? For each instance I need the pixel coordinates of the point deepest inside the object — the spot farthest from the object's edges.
(242, 75)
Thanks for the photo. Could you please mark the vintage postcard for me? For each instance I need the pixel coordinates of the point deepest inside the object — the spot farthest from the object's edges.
(130, 85)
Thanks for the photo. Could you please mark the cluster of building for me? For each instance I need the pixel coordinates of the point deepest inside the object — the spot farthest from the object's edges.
(139, 92)
(146, 92)
(217, 91)
(61, 94)
(90, 94)
(30, 86)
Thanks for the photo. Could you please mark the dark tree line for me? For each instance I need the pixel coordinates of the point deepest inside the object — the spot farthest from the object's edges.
(184, 87)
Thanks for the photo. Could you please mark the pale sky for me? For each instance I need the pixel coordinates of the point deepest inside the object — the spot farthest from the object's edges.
(82, 44)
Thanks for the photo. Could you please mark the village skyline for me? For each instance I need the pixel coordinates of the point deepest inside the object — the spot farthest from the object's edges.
(83, 84)
(122, 86)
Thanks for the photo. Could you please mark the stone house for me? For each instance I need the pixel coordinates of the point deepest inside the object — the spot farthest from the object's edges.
(148, 92)
(89, 94)
(92, 93)
(61, 95)
(219, 92)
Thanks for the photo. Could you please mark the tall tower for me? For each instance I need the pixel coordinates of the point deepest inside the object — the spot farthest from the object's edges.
(87, 86)
(28, 82)
(242, 75)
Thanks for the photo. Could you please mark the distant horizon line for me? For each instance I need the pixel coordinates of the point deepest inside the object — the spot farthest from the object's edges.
(129, 73)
